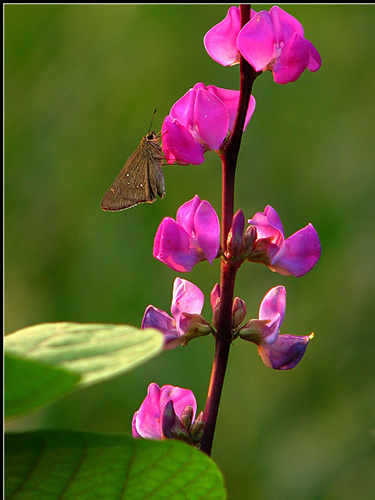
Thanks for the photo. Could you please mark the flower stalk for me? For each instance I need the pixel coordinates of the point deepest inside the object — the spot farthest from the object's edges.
(223, 338)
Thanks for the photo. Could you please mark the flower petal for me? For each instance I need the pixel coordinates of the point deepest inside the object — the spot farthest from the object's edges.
(187, 298)
(211, 119)
(179, 144)
(221, 40)
(172, 246)
(207, 230)
(285, 24)
(256, 40)
(181, 398)
(147, 419)
(285, 352)
(293, 60)
(301, 252)
(162, 321)
(272, 308)
(185, 215)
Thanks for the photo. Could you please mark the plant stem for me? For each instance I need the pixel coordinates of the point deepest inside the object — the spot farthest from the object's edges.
(223, 338)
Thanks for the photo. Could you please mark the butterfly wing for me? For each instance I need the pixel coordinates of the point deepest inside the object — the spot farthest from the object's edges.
(131, 186)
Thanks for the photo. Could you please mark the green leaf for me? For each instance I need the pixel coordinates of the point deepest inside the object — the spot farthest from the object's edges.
(30, 384)
(94, 351)
(52, 465)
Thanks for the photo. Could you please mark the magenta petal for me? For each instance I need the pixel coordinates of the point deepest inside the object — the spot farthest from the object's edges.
(256, 40)
(273, 308)
(179, 145)
(221, 40)
(134, 426)
(183, 109)
(187, 298)
(181, 398)
(285, 24)
(207, 229)
(215, 294)
(172, 246)
(301, 252)
(147, 419)
(285, 353)
(162, 321)
(293, 60)
(186, 213)
(211, 119)
(315, 61)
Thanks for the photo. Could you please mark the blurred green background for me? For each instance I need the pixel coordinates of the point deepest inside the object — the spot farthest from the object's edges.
(81, 84)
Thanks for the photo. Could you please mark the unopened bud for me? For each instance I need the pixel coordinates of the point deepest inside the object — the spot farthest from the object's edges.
(249, 239)
(215, 304)
(187, 417)
(172, 428)
(238, 312)
(197, 327)
(234, 241)
(197, 429)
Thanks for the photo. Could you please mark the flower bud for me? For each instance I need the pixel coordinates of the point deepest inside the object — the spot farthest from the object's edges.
(215, 303)
(197, 429)
(187, 417)
(172, 427)
(238, 312)
(234, 241)
(249, 239)
(197, 327)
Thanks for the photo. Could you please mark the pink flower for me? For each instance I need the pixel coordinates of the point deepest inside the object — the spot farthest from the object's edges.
(295, 255)
(185, 322)
(270, 41)
(194, 236)
(200, 121)
(148, 420)
(281, 352)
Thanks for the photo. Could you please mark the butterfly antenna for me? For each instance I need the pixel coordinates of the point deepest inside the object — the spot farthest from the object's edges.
(152, 119)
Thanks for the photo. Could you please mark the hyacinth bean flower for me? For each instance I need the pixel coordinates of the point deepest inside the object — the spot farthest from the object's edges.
(270, 41)
(200, 121)
(185, 322)
(194, 236)
(295, 255)
(148, 421)
(281, 352)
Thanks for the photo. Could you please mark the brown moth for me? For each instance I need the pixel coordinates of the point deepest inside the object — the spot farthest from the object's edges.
(141, 178)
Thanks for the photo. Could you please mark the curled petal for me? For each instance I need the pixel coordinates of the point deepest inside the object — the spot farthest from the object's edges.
(285, 352)
(272, 308)
(179, 144)
(207, 230)
(301, 252)
(159, 319)
(315, 61)
(293, 60)
(186, 213)
(221, 40)
(187, 298)
(172, 246)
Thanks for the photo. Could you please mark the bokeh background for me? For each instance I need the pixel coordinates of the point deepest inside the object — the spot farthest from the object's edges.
(81, 84)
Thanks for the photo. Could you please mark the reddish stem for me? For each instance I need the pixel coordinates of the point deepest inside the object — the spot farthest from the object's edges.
(223, 338)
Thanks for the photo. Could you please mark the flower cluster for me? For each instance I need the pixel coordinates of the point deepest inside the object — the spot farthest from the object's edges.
(202, 120)
(270, 41)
